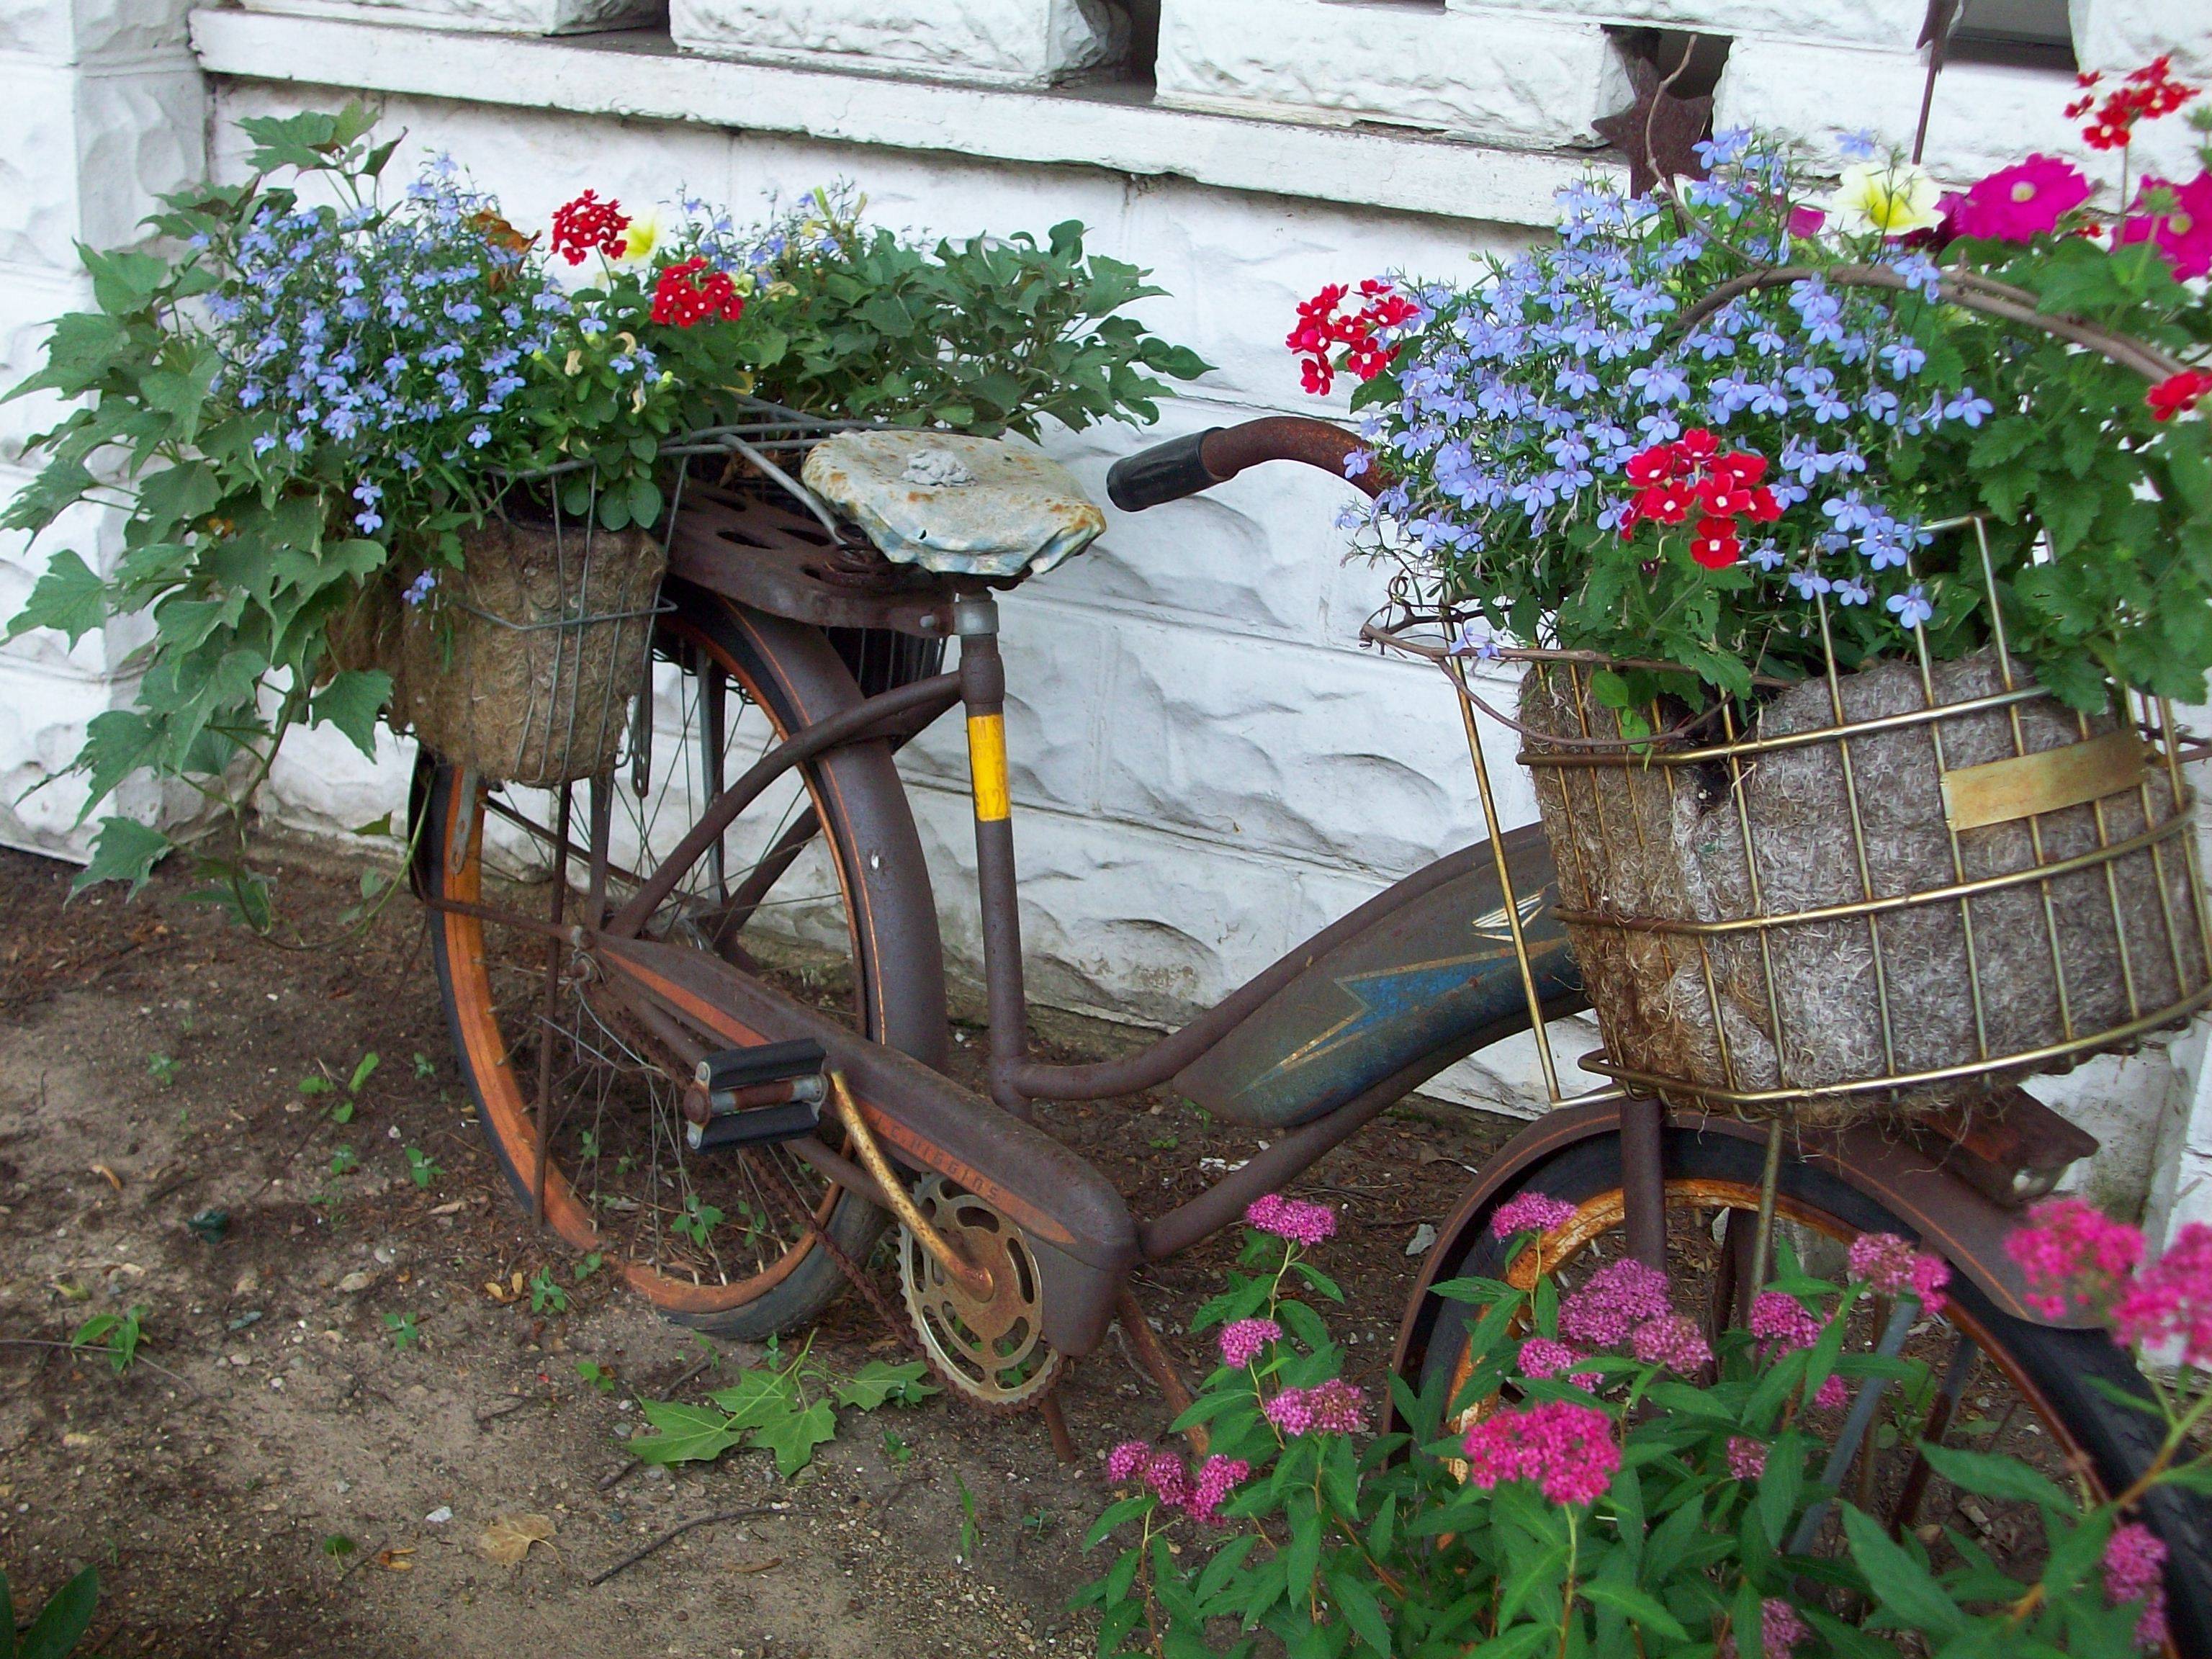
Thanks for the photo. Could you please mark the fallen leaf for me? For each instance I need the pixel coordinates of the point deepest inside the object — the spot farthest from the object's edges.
(396, 1560)
(70, 1290)
(356, 1282)
(74, 1439)
(508, 1539)
(515, 1282)
(762, 1566)
(453, 1208)
(109, 1175)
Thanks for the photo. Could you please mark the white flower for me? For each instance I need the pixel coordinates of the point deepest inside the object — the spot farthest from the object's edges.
(1888, 197)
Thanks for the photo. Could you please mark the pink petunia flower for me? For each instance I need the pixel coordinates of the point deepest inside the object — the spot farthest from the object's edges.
(1616, 1300)
(1747, 1457)
(1783, 1323)
(1530, 1213)
(1568, 1450)
(1672, 1340)
(2182, 232)
(1216, 1477)
(1294, 1218)
(1242, 1341)
(2171, 1300)
(2069, 1249)
(2020, 202)
(2135, 1558)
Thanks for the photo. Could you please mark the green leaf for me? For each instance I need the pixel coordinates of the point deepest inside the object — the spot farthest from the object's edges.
(68, 597)
(61, 1624)
(683, 1434)
(124, 850)
(1517, 1643)
(1640, 1605)
(793, 1438)
(1996, 1476)
(1898, 1580)
(879, 1380)
(351, 701)
(1360, 1608)
(759, 1396)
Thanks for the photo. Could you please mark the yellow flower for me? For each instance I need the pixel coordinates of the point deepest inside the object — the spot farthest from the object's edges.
(1890, 198)
(645, 232)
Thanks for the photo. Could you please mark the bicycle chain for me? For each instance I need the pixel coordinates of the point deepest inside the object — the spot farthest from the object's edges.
(788, 1196)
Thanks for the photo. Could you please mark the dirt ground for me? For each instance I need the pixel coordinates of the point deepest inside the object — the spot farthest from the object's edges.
(290, 1481)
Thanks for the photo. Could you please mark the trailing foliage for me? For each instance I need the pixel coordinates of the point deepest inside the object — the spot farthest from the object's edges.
(785, 1408)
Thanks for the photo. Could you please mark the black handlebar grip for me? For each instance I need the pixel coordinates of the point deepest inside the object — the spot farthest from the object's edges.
(1165, 472)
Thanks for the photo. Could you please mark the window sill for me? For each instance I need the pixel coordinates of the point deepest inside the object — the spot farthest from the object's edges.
(637, 74)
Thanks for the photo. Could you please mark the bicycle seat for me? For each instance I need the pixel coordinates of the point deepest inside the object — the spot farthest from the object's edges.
(956, 505)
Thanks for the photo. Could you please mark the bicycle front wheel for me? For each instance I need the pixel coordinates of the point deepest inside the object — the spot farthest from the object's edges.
(1985, 1380)
(818, 886)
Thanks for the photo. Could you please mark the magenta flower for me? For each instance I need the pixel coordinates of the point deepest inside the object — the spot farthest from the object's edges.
(1164, 1473)
(2069, 1249)
(2134, 1559)
(1567, 1450)
(1780, 1629)
(1832, 1395)
(1216, 1477)
(1672, 1340)
(1293, 1218)
(1289, 1411)
(1781, 1324)
(1125, 1461)
(1530, 1213)
(1242, 1341)
(1331, 1407)
(1542, 1356)
(2182, 232)
(1616, 1300)
(1892, 1266)
(2171, 1300)
(2020, 202)
(1806, 221)
(1747, 1457)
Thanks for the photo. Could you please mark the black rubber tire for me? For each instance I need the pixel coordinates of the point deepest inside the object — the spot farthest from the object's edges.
(2059, 1363)
(796, 677)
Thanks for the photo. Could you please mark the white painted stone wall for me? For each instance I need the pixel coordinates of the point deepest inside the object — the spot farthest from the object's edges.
(1206, 766)
(1029, 43)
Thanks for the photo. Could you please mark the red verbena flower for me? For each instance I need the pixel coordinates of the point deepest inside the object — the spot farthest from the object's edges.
(1530, 1213)
(1568, 1450)
(684, 297)
(2178, 393)
(2017, 202)
(2182, 232)
(1361, 334)
(1693, 473)
(1617, 1299)
(587, 225)
(2144, 95)
(2069, 1249)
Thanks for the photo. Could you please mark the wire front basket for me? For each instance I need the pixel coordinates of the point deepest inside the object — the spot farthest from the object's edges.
(1885, 892)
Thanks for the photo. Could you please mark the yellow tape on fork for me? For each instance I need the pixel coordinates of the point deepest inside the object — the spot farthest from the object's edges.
(986, 767)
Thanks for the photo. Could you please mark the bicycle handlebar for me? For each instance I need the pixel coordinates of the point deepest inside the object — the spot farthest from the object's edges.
(1168, 471)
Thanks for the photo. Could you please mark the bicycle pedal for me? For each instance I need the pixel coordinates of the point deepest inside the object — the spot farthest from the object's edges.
(755, 1096)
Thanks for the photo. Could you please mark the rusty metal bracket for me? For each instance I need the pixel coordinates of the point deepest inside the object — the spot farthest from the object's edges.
(972, 1279)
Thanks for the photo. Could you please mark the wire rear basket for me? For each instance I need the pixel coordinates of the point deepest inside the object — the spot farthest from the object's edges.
(1884, 892)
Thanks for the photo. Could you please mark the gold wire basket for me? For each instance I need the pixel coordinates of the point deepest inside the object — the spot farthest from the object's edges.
(1890, 892)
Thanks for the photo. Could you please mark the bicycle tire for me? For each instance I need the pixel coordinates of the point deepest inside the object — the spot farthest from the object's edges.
(2057, 1365)
(795, 677)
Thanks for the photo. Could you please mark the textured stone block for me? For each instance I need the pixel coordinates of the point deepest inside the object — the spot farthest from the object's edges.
(43, 716)
(1506, 80)
(77, 31)
(999, 42)
(502, 16)
(1853, 22)
(29, 303)
(89, 156)
(2119, 35)
(95, 534)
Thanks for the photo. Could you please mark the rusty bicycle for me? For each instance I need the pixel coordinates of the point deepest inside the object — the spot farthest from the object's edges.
(703, 1008)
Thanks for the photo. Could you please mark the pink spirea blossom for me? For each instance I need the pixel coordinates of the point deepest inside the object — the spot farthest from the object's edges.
(2133, 1560)
(1780, 1628)
(1783, 1323)
(2170, 1302)
(1672, 1340)
(1833, 1395)
(1123, 1462)
(1531, 1213)
(2018, 203)
(1216, 1477)
(1331, 1407)
(1164, 1473)
(1567, 1450)
(1243, 1340)
(1294, 1218)
(1747, 1457)
(2070, 1250)
(1616, 1300)
(1542, 1357)
(1892, 1266)
(2182, 232)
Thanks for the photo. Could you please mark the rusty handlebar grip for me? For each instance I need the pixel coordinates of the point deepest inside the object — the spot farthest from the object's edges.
(1169, 471)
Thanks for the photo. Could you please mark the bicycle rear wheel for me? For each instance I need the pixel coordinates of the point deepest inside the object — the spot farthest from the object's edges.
(818, 886)
(2026, 1390)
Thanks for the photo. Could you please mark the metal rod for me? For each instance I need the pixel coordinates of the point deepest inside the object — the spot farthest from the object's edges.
(975, 1280)
(603, 813)
(1939, 1411)
(555, 950)
(1644, 1181)
(1856, 1426)
(984, 692)
(713, 688)
(1762, 1241)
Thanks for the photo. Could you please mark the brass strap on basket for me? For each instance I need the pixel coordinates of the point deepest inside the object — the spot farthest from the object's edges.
(974, 1280)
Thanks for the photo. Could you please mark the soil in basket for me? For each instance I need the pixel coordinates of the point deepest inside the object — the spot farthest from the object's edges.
(151, 1041)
